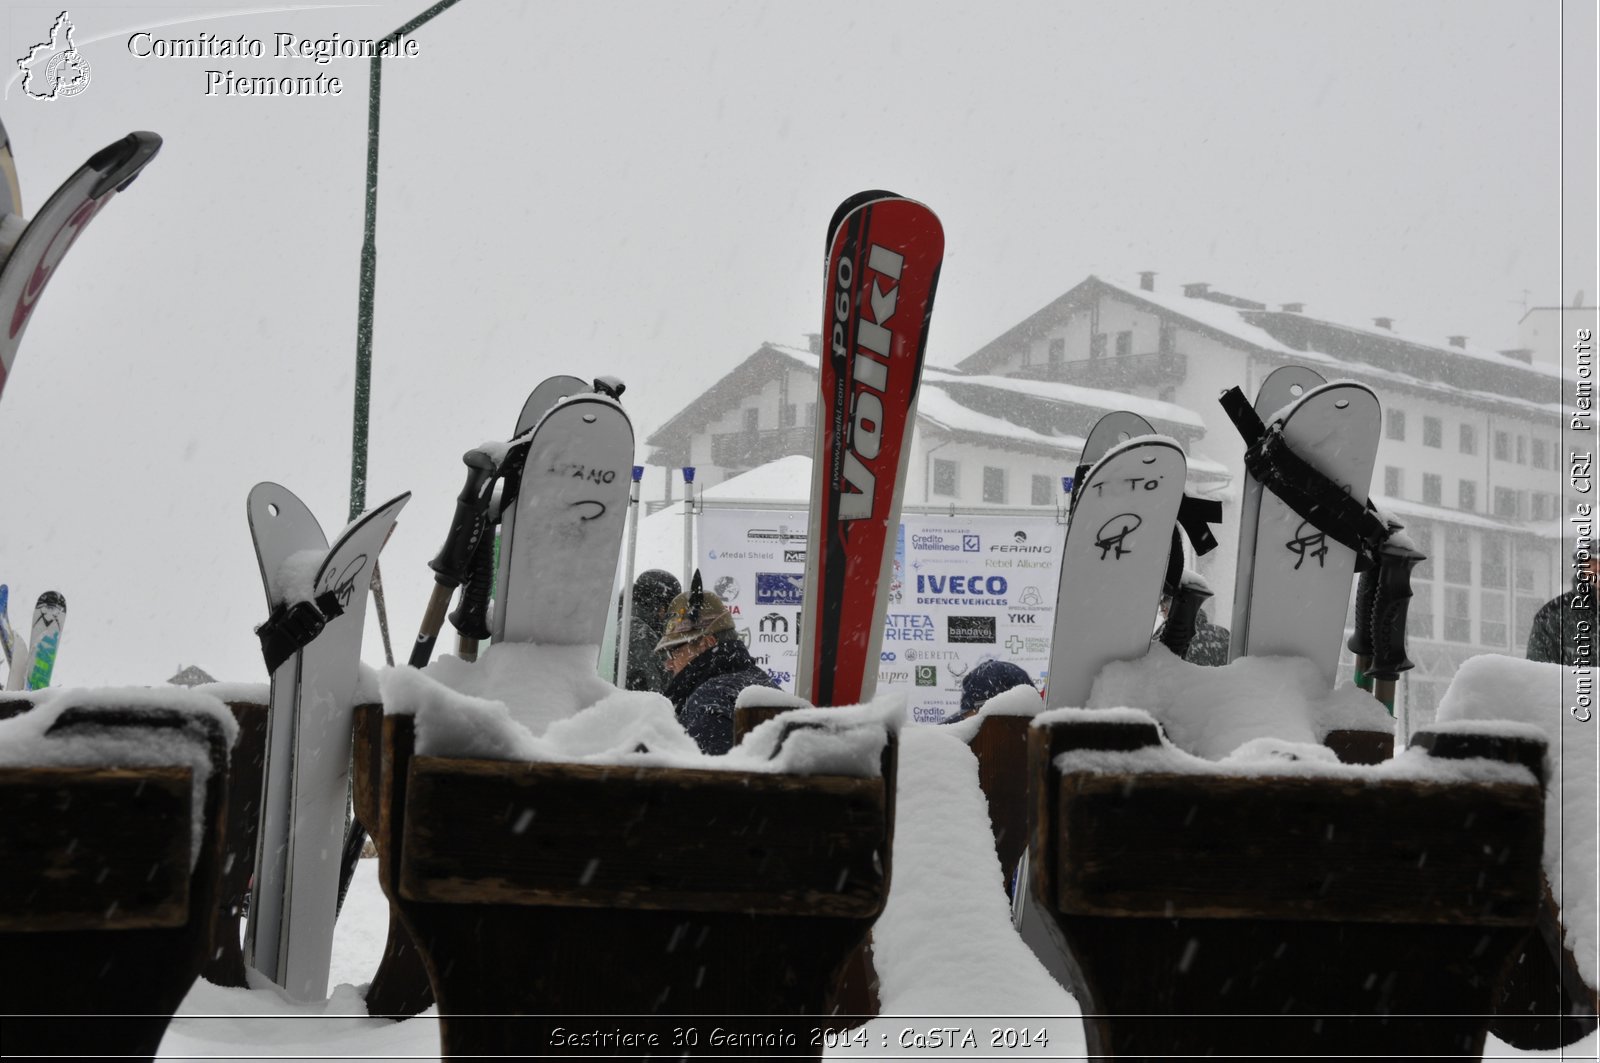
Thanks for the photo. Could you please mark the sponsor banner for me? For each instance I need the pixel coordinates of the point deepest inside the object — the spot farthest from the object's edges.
(962, 589)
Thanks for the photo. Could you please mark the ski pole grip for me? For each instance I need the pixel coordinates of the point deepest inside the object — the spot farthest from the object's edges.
(1178, 632)
(1391, 601)
(454, 562)
(471, 617)
(1360, 642)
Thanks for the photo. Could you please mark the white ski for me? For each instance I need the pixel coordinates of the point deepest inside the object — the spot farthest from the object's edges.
(560, 560)
(306, 778)
(1113, 563)
(1282, 386)
(1299, 591)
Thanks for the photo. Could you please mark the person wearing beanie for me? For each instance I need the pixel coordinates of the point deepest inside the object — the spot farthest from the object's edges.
(653, 592)
(985, 681)
(1566, 627)
(707, 666)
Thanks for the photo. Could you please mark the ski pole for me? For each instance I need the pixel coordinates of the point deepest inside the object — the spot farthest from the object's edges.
(1391, 600)
(625, 629)
(453, 564)
(1360, 642)
(688, 524)
(471, 618)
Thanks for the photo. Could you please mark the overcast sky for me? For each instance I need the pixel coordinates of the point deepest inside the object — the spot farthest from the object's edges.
(642, 189)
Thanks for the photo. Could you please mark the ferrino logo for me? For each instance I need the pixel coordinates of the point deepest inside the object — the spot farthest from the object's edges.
(870, 375)
(1020, 545)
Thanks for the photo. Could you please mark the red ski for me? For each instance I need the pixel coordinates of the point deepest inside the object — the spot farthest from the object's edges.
(883, 267)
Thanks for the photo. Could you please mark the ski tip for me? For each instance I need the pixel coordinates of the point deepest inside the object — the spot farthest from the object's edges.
(119, 163)
(851, 203)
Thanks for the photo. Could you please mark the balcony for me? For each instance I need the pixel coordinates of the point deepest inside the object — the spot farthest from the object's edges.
(1113, 372)
(746, 450)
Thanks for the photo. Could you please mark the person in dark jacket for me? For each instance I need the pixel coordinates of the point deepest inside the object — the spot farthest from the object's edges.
(1209, 646)
(985, 681)
(653, 592)
(1565, 628)
(708, 666)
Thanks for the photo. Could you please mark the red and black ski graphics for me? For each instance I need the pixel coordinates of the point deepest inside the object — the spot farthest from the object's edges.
(27, 268)
(883, 268)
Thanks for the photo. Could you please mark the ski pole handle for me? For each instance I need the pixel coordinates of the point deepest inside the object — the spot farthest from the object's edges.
(471, 618)
(1390, 603)
(1178, 632)
(454, 562)
(1360, 642)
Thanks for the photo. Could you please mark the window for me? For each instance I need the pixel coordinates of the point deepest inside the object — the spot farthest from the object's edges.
(1393, 481)
(1124, 344)
(1169, 338)
(1469, 439)
(945, 480)
(1419, 618)
(1502, 447)
(1043, 490)
(787, 414)
(1467, 496)
(1432, 432)
(1097, 345)
(811, 413)
(1457, 614)
(1493, 552)
(752, 420)
(1422, 535)
(1058, 350)
(1505, 503)
(1541, 453)
(1527, 608)
(1457, 556)
(1522, 450)
(1492, 618)
(1432, 489)
(1543, 505)
(1397, 424)
(994, 485)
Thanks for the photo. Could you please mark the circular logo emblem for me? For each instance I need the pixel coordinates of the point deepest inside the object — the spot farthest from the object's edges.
(67, 73)
(727, 588)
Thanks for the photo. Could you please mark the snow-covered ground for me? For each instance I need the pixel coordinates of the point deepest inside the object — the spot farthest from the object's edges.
(943, 947)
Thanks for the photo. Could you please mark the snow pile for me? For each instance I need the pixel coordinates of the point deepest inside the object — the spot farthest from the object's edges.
(944, 945)
(1493, 687)
(1271, 757)
(297, 576)
(1020, 700)
(544, 703)
(25, 743)
(1211, 712)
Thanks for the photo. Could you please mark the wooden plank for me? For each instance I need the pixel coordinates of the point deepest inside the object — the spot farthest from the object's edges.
(94, 848)
(1001, 746)
(1295, 848)
(1360, 747)
(603, 836)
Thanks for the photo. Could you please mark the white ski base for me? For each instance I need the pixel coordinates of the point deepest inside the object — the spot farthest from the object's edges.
(1113, 563)
(1300, 583)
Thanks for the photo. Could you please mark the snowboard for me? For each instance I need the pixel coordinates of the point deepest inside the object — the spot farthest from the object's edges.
(539, 402)
(35, 253)
(567, 520)
(884, 256)
(1118, 544)
(1300, 578)
(1282, 386)
(305, 787)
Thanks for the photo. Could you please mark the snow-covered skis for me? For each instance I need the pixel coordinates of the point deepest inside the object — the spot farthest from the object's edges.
(567, 519)
(318, 597)
(7, 639)
(1298, 591)
(1117, 548)
(30, 251)
(884, 255)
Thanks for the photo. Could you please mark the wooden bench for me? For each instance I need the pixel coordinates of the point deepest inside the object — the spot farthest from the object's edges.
(538, 892)
(1282, 915)
(105, 910)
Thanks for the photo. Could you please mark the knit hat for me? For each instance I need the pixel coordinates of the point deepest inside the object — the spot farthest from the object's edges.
(694, 615)
(988, 679)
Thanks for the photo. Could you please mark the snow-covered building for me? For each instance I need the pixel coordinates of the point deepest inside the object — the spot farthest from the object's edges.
(1469, 457)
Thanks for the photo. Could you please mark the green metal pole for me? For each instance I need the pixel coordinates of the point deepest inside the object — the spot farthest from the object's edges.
(369, 274)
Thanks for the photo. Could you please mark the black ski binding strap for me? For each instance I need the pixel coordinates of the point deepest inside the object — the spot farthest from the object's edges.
(1195, 516)
(293, 625)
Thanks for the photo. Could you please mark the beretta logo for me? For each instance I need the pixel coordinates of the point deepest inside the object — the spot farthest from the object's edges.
(969, 628)
(779, 588)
